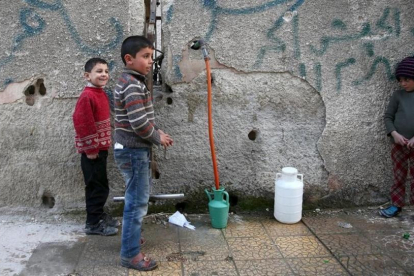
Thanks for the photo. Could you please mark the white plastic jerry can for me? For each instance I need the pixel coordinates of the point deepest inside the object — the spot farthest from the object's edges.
(288, 196)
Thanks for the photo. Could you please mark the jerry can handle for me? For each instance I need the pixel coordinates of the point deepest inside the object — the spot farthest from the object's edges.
(227, 197)
(301, 177)
(278, 175)
(208, 194)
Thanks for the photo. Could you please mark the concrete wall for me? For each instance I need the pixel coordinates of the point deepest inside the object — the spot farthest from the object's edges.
(45, 44)
(311, 77)
(308, 80)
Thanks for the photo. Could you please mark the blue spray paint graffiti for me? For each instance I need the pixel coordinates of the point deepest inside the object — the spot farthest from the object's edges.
(385, 27)
(33, 24)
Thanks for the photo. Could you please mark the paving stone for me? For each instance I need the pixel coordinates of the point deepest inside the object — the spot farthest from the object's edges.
(350, 244)
(101, 250)
(163, 269)
(375, 222)
(161, 249)
(327, 225)
(205, 249)
(244, 227)
(277, 229)
(404, 260)
(392, 241)
(160, 231)
(268, 267)
(365, 265)
(109, 270)
(316, 266)
(210, 268)
(253, 248)
(300, 247)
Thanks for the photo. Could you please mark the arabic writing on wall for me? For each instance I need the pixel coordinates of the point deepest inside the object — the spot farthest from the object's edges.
(386, 27)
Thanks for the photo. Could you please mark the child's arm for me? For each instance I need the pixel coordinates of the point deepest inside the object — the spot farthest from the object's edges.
(166, 140)
(399, 139)
(86, 132)
(138, 106)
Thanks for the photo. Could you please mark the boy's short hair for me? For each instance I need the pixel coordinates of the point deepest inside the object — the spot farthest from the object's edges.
(405, 68)
(92, 62)
(133, 44)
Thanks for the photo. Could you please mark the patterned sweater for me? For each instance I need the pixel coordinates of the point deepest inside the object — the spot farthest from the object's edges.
(91, 121)
(134, 113)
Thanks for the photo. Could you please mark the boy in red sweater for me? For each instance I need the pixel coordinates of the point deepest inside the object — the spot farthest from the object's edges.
(93, 138)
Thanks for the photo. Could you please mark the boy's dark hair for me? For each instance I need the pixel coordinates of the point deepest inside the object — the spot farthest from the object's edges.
(133, 44)
(405, 68)
(92, 62)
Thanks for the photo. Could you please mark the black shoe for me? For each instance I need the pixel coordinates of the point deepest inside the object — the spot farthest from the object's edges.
(110, 221)
(100, 229)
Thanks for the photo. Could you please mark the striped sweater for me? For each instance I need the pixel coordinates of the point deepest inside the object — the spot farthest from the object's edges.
(134, 113)
(91, 121)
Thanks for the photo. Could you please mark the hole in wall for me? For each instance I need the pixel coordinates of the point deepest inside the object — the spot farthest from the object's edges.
(48, 200)
(169, 100)
(253, 134)
(233, 200)
(180, 206)
(41, 87)
(30, 90)
(29, 93)
(168, 89)
(157, 174)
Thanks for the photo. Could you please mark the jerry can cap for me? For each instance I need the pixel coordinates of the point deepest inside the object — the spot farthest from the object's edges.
(289, 170)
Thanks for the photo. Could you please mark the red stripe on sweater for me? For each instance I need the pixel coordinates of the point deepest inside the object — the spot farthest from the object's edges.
(136, 102)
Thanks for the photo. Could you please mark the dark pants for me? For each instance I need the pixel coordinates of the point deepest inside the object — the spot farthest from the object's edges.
(96, 186)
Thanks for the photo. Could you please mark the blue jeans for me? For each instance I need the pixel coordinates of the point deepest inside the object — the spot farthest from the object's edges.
(134, 164)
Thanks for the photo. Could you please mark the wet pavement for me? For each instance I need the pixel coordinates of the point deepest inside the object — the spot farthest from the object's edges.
(325, 242)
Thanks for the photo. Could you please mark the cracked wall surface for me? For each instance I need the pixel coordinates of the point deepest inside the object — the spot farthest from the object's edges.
(343, 52)
(295, 83)
(44, 47)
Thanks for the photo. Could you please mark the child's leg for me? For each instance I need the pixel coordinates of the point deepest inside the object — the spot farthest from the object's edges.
(96, 186)
(400, 156)
(134, 165)
(412, 176)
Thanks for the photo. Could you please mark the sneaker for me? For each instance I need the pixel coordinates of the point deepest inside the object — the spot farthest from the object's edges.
(100, 229)
(110, 221)
(390, 212)
(145, 264)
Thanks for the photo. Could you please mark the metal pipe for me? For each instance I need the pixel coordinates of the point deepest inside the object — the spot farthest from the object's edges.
(153, 197)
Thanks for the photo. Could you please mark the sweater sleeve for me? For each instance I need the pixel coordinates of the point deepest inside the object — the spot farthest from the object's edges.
(390, 113)
(138, 105)
(86, 133)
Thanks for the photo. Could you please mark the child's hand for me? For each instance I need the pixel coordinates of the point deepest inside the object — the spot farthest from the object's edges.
(92, 156)
(410, 143)
(399, 139)
(166, 140)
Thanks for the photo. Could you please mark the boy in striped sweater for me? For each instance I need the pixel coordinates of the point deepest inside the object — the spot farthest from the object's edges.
(93, 138)
(135, 133)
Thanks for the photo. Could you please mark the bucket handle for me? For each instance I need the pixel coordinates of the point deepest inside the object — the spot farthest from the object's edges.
(278, 175)
(208, 194)
(227, 197)
(301, 177)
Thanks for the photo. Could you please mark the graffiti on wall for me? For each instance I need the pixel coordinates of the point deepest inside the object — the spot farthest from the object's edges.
(32, 24)
(385, 27)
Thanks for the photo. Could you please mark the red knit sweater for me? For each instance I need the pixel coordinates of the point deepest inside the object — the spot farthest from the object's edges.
(91, 121)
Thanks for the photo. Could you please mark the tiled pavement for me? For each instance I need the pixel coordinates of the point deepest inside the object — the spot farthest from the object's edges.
(259, 245)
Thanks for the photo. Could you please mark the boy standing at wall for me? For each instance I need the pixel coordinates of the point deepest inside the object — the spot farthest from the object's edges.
(399, 122)
(93, 138)
(135, 133)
